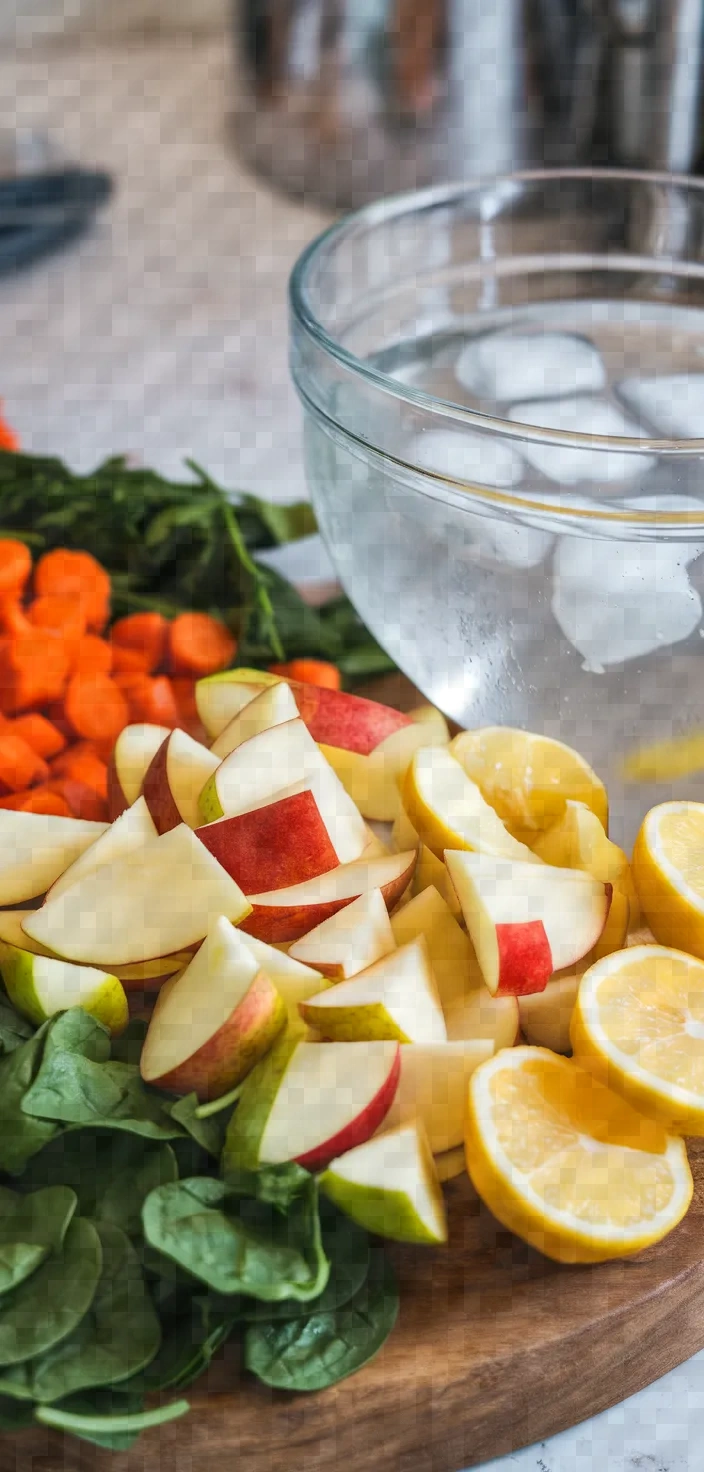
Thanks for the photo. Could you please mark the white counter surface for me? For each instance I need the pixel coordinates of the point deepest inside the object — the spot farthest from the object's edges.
(164, 334)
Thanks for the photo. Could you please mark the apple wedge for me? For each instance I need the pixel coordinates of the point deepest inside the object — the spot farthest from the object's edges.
(153, 901)
(39, 986)
(283, 915)
(134, 827)
(271, 707)
(578, 841)
(450, 1164)
(309, 1102)
(131, 758)
(373, 780)
(526, 921)
(447, 809)
(175, 779)
(350, 941)
(285, 842)
(545, 1016)
(212, 1023)
(433, 1089)
(142, 976)
(293, 981)
(332, 716)
(390, 1186)
(396, 999)
(432, 871)
(220, 697)
(36, 848)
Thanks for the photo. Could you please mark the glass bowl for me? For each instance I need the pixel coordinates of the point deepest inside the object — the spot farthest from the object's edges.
(503, 383)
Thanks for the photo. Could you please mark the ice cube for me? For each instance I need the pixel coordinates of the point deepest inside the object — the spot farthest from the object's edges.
(674, 406)
(580, 415)
(683, 552)
(616, 601)
(520, 365)
(473, 457)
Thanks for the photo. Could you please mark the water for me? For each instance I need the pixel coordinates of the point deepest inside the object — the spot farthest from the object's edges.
(500, 617)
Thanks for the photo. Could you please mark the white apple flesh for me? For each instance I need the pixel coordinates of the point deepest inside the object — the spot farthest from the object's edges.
(131, 758)
(134, 827)
(350, 941)
(433, 1088)
(397, 999)
(35, 848)
(141, 976)
(283, 915)
(389, 1185)
(40, 986)
(175, 779)
(372, 780)
(271, 707)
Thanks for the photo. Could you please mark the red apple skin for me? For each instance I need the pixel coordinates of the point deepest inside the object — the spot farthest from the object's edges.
(157, 793)
(358, 1130)
(232, 1051)
(337, 719)
(117, 802)
(272, 847)
(525, 958)
(278, 924)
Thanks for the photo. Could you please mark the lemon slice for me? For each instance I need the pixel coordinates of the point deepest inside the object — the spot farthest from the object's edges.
(528, 778)
(638, 1023)
(668, 870)
(566, 1164)
(448, 811)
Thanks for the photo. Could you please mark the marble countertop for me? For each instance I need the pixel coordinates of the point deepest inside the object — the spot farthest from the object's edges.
(163, 334)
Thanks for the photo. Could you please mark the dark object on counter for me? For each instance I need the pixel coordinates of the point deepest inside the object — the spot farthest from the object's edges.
(41, 211)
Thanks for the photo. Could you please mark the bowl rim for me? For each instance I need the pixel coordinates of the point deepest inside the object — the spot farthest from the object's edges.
(415, 201)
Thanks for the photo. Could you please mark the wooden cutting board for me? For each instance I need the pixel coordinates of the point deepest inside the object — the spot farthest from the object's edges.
(496, 1347)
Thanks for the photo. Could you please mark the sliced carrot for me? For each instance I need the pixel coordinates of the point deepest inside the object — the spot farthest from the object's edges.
(92, 656)
(146, 632)
(127, 661)
(76, 575)
(13, 619)
(185, 695)
(39, 733)
(60, 612)
(15, 567)
(38, 800)
(82, 763)
(8, 439)
(150, 700)
(96, 707)
(33, 670)
(199, 644)
(82, 801)
(19, 765)
(310, 672)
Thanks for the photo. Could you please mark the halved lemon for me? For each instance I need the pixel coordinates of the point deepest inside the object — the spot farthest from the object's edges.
(568, 1165)
(527, 778)
(447, 809)
(638, 1023)
(668, 870)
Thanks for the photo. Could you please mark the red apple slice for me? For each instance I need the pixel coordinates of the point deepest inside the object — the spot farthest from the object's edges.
(352, 722)
(526, 921)
(142, 976)
(433, 1088)
(350, 941)
(153, 901)
(132, 755)
(397, 998)
(285, 842)
(212, 1023)
(271, 707)
(219, 698)
(281, 915)
(35, 848)
(133, 828)
(175, 779)
(309, 1102)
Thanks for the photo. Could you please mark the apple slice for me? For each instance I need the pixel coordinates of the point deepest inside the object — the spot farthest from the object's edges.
(153, 901)
(447, 809)
(131, 758)
(429, 715)
(309, 1102)
(578, 841)
(350, 941)
(433, 1089)
(525, 921)
(142, 976)
(293, 981)
(212, 1023)
(271, 707)
(432, 872)
(39, 986)
(373, 781)
(175, 779)
(545, 1016)
(219, 698)
(285, 842)
(133, 828)
(396, 998)
(283, 915)
(36, 848)
(390, 1186)
(350, 722)
(450, 1163)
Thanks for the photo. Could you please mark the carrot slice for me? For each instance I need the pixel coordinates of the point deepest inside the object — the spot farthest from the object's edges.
(146, 632)
(310, 672)
(19, 765)
(15, 567)
(62, 614)
(199, 644)
(126, 661)
(8, 439)
(39, 733)
(92, 656)
(83, 763)
(96, 707)
(82, 801)
(38, 800)
(185, 695)
(13, 619)
(150, 700)
(33, 670)
(76, 575)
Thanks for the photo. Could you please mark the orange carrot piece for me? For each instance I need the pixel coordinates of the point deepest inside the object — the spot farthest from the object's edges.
(61, 613)
(185, 695)
(39, 733)
(96, 707)
(199, 645)
(33, 671)
(92, 656)
(13, 619)
(8, 439)
(126, 661)
(15, 567)
(83, 764)
(38, 800)
(150, 700)
(20, 767)
(310, 672)
(76, 575)
(146, 632)
(82, 801)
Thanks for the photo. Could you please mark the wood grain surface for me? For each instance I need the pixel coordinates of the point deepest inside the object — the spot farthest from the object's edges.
(496, 1347)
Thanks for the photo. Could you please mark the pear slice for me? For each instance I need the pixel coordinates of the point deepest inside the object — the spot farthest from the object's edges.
(350, 940)
(395, 999)
(39, 986)
(390, 1186)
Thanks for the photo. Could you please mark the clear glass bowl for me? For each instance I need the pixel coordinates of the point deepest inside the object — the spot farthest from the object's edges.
(502, 385)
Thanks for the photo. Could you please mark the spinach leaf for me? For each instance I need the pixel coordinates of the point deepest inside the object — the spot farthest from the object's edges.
(208, 1132)
(95, 1406)
(279, 1185)
(111, 1172)
(128, 1047)
(347, 1247)
(190, 1338)
(48, 1306)
(14, 1416)
(265, 522)
(314, 1352)
(117, 1337)
(236, 1245)
(30, 1228)
(114, 1431)
(21, 1137)
(14, 1029)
